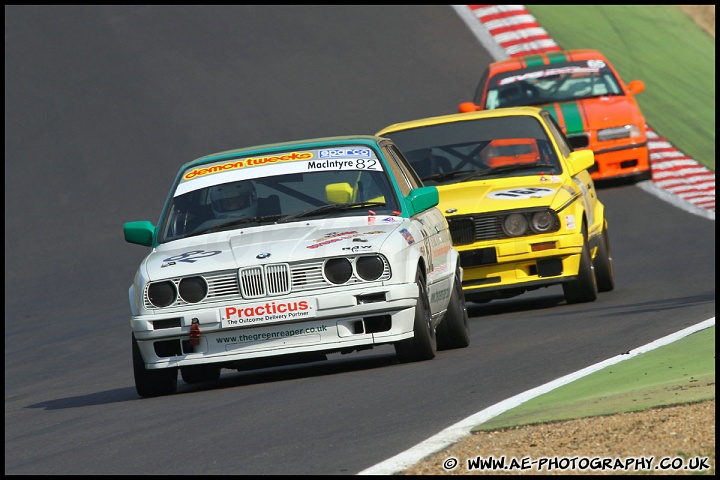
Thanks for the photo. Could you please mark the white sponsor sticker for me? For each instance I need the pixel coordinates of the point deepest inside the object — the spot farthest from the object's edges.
(270, 311)
(346, 152)
(521, 193)
(570, 222)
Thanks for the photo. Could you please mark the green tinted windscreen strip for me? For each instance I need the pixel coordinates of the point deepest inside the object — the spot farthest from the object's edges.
(557, 57)
(534, 60)
(573, 117)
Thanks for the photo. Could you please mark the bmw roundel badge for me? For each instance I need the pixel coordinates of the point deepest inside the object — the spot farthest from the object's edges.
(262, 255)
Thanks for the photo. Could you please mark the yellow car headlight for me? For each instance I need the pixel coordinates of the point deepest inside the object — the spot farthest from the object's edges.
(515, 225)
(542, 222)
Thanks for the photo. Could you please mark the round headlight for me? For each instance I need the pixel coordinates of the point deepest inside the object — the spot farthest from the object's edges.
(162, 294)
(338, 270)
(542, 221)
(515, 224)
(193, 289)
(369, 267)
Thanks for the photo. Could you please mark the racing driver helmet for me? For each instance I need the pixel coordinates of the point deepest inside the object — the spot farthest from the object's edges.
(234, 200)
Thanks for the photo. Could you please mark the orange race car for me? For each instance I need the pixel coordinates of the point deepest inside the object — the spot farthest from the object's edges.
(509, 151)
(587, 97)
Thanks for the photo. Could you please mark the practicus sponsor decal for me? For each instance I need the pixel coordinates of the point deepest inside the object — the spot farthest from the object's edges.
(268, 312)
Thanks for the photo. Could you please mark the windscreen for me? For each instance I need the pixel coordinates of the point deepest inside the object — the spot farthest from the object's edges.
(559, 82)
(278, 187)
(480, 148)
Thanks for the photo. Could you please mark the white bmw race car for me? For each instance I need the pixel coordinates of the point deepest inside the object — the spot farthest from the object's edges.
(283, 253)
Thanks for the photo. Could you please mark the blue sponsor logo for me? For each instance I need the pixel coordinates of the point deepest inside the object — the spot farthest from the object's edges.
(346, 152)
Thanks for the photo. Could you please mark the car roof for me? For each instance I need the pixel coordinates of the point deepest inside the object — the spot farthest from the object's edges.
(518, 63)
(307, 144)
(459, 117)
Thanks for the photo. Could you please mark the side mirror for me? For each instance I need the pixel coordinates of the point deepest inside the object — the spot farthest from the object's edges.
(139, 232)
(636, 86)
(421, 199)
(467, 107)
(580, 160)
(339, 193)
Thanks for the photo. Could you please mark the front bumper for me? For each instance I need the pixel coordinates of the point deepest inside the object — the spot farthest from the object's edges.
(344, 321)
(514, 265)
(621, 161)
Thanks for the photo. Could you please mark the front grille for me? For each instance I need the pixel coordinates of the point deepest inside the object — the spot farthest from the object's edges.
(251, 282)
(462, 231)
(476, 228)
(266, 280)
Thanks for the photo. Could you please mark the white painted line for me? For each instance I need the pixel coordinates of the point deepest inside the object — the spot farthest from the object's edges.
(463, 428)
(653, 189)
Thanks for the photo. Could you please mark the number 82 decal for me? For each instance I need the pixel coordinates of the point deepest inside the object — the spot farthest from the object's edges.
(189, 257)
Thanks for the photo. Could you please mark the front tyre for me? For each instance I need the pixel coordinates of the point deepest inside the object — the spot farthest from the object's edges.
(453, 330)
(603, 264)
(423, 345)
(152, 383)
(584, 287)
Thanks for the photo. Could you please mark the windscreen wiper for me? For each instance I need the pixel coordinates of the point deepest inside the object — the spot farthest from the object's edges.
(442, 176)
(508, 168)
(608, 94)
(332, 207)
(232, 223)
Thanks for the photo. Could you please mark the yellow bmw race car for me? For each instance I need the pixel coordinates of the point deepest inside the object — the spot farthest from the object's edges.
(522, 208)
